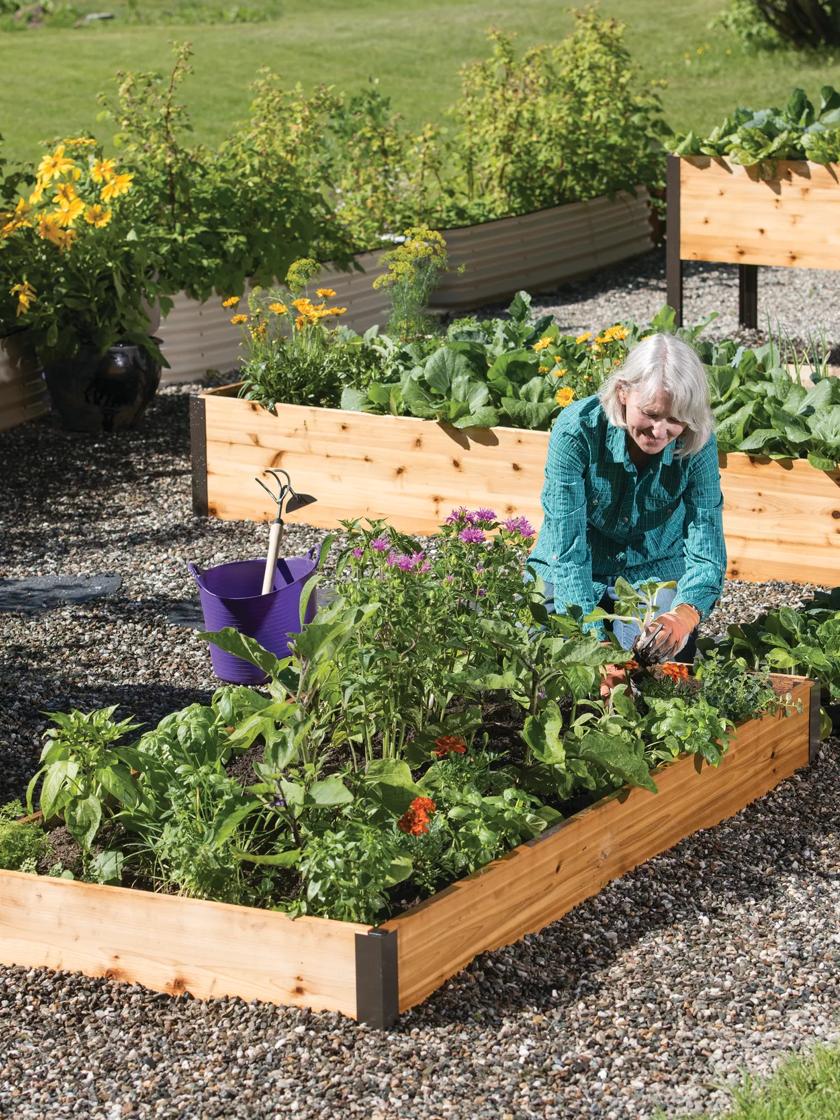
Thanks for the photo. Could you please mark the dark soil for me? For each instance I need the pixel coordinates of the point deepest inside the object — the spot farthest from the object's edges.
(61, 849)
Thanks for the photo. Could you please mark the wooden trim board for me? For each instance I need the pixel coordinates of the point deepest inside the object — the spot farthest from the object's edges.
(211, 949)
(539, 882)
(781, 519)
(728, 213)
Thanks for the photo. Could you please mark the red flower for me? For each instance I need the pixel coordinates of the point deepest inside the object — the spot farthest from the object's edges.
(415, 820)
(449, 744)
(630, 665)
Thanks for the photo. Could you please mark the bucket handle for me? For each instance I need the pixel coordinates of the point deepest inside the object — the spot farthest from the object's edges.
(194, 570)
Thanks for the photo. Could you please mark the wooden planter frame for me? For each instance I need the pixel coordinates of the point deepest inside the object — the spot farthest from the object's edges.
(781, 519)
(211, 949)
(719, 211)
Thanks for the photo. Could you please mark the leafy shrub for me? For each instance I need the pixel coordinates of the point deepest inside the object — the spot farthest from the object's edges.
(19, 844)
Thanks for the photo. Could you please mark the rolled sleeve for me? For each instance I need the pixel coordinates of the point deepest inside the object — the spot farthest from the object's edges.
(563, 555)
(705, 550)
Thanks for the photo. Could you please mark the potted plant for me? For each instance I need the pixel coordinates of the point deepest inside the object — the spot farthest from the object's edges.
(84, 277)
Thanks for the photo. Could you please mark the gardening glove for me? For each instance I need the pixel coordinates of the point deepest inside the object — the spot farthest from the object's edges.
(663, 638)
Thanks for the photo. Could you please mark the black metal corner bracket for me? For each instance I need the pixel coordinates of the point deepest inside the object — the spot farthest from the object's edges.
(198, 455)
(377, 985)
(748, 295)
(814, 723)
(673, 260)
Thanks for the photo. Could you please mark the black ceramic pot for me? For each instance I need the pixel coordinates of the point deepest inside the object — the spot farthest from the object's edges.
(103, 392)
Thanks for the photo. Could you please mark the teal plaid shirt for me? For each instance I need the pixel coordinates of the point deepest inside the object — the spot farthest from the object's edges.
(604, 518)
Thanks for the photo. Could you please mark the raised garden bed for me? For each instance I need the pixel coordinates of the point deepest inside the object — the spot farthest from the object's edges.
(721, 211)
(499, 258)
(781, 518)
(209, 949)
(23, 394)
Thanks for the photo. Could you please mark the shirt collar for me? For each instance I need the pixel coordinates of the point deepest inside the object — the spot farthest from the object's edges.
(617, 447)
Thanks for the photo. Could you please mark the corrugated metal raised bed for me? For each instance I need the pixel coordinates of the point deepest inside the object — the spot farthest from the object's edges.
(499, 258)
(23, 394)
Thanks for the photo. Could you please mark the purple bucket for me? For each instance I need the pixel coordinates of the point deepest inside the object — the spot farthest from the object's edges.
(231, 596)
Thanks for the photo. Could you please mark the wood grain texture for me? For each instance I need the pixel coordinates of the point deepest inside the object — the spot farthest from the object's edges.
(538, 883)
(781, 519)
(727, 213)
(177, 945)
(413, 472)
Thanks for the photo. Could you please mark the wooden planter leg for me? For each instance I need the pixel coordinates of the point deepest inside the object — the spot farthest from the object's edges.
(377, 985)
(814, 723)
(673, 260)
(748, 295)
(198, 455)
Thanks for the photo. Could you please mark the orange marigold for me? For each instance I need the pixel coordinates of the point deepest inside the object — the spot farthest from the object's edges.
(675, 670)
(415, 820)
(449, 744)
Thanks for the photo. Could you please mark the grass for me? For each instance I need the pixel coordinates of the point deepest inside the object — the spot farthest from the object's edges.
(802, 1089)
(51, 75)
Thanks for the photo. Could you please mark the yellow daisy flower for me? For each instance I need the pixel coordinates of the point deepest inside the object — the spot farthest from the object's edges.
(564, 396)
(65, 195)
(103, 170)
(37, 193)
(278, 308)
(585, 337)
(57, 165)
(231, 301)
(542, 369)
(25, 295)
(68, 213)
(325, 293)
(97, 215)
(237, 319)
(559, 371)
(117, 186)
(542, 344)
(302, 305)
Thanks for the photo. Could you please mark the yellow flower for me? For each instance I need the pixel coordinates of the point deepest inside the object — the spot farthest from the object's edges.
(300, 322)
(80, 142)
(585, 337)
(57, 165)
(542, 344)
(49, 228)
(103, 170)
(259, 331)
(302, 305)
(559, 371)
(117, 186)
(564, 396)
(97, 215)
(68, 213)
(325, 293)
(612, 334)
(237, 319)
(335, 311)
(37, 193)
(278, 308)
(231, 301)
(17, 218)
(25, 294)
(65, 195)
(542, 369)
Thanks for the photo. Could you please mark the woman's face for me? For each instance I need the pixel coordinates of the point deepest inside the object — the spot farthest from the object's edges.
(650, 425)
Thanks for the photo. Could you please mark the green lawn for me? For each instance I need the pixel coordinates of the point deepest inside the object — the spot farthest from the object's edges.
(803, 1089)
(51, 76)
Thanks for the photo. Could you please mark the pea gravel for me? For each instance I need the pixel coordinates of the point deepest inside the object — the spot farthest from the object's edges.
(719, 956)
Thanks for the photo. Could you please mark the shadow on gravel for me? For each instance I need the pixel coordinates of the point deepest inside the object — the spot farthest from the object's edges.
(746, 859)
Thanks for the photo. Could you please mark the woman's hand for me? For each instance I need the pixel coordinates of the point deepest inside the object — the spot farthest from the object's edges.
(663, 638)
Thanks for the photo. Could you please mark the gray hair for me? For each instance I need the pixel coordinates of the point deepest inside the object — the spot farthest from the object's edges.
(661, 361)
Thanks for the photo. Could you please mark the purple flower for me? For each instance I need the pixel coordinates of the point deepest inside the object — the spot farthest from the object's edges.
(519, 525)
(358, 553)
(380, 544)
(481, 592)
(457, 515)
(405, 563)
(392, 558)
(449, 578)
(471, 536)
(480, 516)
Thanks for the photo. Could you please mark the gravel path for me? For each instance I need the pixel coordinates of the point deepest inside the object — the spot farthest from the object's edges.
(718, 956)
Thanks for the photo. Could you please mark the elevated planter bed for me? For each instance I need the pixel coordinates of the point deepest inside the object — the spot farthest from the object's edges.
(781, 519)
(721, 211)
(210, 949)
(23, 394)
(531, 251)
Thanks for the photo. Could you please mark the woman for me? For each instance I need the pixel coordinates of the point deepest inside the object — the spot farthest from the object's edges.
(632, 489)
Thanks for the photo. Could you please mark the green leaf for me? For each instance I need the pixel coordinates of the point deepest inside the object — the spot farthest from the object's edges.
(83, 818)
(617, 756)
(231, 641)
(231, 821)
(278, 859)
(389, 783)
(330, 792)
(107, 866)
(117, 780)
(399, 869)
